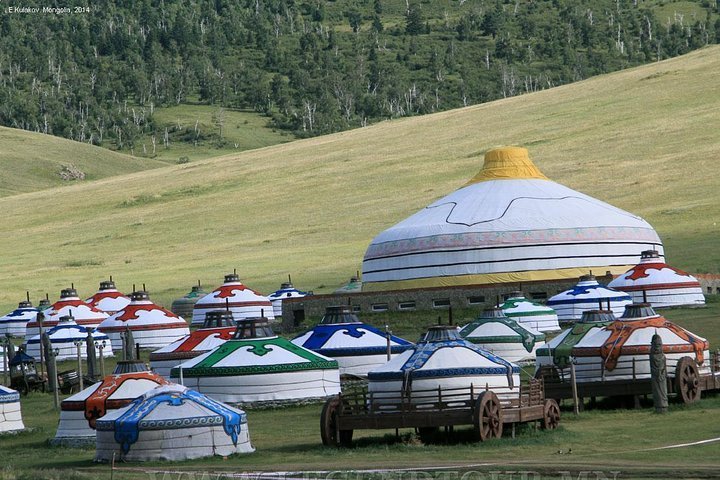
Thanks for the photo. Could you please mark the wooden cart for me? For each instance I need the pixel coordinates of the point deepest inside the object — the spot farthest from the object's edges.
(429, 410)
(687, 384)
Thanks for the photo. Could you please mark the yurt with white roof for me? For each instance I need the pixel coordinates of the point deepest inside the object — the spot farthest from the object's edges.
(15, 322)
(172, 422)
(218, 328)
(620, 350)
(587, 294)
(556, 354)
(232, 295)
(65, 337)
(79, 412)
(655, 282)
(287, 290)
(69, 305)
(151, 325)
(10, 413)
(530, 314)
(357, 347)
(257, 366)
(509, 223)
(108, 298)
(503, 336)
(443, 360)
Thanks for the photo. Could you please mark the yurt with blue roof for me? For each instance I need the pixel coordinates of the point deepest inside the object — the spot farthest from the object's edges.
(64, 336)
(586, 295)
(10, 414)
(15, 322)
(287, 290)
(172, 422)
(443, 360)
(357, 347)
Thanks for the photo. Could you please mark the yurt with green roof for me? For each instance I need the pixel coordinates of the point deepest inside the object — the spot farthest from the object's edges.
(503, 336)
(530, 314)
(257, 366)
(509, 223)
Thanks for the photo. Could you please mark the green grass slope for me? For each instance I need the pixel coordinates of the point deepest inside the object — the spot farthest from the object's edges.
(644, 139)
(32, 161)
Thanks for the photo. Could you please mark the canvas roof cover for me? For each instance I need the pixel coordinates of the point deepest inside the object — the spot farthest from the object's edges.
(243, 301)
(503, 336)
(529, 313)
(172, 422)
(508, 224)
(655, 282)
(69, 304)
(287, 290)
(588, 294)
(108, 299)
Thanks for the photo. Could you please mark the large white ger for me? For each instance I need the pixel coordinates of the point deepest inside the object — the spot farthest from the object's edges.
(10, 414)
(242, 301)
(172, 422)
(510, 223)
(151, 325)
(257, 366)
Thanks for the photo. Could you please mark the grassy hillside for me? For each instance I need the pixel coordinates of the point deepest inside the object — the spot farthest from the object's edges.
(32, 161)
(644, 139)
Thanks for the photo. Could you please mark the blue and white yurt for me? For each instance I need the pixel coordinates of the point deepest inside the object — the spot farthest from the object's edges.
(10, 414)
(233, 295)
(357, 347)
(258, 366)
(443, 360)
(64, 337)
(588, 294)
(531, 314)
(15, 322)
(503, 336)
(287, 290)
(172, 422)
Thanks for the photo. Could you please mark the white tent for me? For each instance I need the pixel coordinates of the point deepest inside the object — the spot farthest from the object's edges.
(151, 325)
(357, 347)
(508, 224)
(620, 350)
(286, 291)
(530, 314)
(258, 366)
(108, 299)
(10, 414)
(64, 337)
(657, 283)
(503, 336)
(588, 294)
(79, 412)
(218, 328)
(15, 322)
(68, 305)
(444, 360)
(243, 301)
(172, 423)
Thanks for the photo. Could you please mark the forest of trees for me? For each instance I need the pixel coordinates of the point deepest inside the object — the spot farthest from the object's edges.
(312, 66)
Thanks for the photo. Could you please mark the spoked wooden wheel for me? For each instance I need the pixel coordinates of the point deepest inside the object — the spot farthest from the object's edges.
(551, 415)
(487, 416)
(329, 432)
(687, 380)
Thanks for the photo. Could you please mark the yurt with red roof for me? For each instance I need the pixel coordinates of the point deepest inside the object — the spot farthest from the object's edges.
(108, 299)
(655, 282)
(151, 325)
(69, 304)
(232, 295)
(218, 328)
(79, 412)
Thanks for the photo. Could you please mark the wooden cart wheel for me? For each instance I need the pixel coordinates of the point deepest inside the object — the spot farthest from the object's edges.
(329, 432)
(487, 416)
(551, 415)
(687, 380)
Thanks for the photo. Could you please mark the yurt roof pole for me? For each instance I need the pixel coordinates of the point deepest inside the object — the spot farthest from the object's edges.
(27, 295)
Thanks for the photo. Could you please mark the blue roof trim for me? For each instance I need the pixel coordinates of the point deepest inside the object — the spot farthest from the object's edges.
(321, 333)
(441, 372)
(9, 396)
(278, 295)
(352, 352)
(592, 301)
